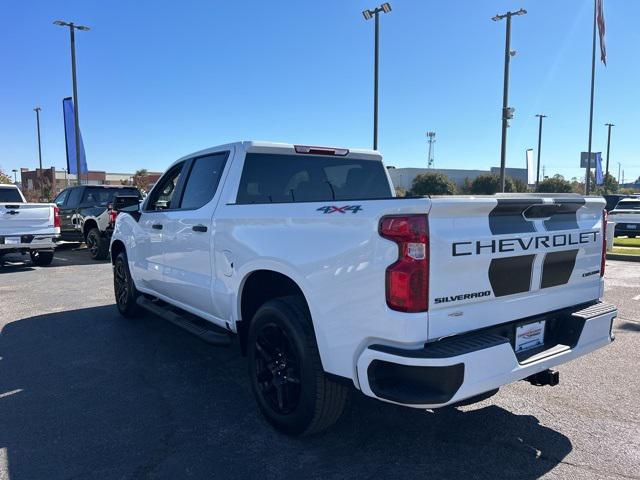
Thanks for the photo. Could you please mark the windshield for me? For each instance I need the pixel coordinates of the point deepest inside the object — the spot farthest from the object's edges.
(8, 195)
(104, 196)
(628, 205)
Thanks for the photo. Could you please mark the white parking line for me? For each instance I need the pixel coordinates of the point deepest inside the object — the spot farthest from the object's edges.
(637, 297)
(12, 392)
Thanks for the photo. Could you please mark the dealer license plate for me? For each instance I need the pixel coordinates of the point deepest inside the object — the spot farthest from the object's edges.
(632, 227)
(529, 336)
(11, 240)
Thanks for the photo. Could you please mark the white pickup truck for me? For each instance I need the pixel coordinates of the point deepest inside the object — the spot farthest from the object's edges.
(27, 227)
(626, 216)
(330, 283)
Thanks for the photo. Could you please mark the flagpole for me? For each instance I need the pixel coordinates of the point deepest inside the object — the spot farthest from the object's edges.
(593, 79)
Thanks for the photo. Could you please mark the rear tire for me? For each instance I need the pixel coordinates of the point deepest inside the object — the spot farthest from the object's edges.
(97, 245)
(40, 258)
(291, 388)
(632, 235)
(125, 291)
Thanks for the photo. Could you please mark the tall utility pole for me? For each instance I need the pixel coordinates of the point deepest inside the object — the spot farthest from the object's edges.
(72, 28)
(431, 139)
(15, 175)
(593, 80)
(540, 116)
(608, 150)
(368, 14)
(37, 110)
(619, 165)
(507, 113)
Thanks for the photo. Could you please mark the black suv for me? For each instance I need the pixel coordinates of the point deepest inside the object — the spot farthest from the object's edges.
(86, 215)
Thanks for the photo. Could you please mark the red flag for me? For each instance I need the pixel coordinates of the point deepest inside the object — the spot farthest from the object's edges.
(600, 17)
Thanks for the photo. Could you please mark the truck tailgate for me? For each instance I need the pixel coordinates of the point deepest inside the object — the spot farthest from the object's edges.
(498, 259)
(26, 219)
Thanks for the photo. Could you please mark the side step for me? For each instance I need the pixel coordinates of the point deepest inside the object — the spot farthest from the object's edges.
(208, 334)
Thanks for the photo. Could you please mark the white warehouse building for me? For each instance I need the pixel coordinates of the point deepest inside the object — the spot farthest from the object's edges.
(403, 177)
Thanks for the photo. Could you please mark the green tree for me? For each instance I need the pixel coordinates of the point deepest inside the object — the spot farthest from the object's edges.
(400, 192)
(141, 180)
(519, 185)
(489, 184)
(555, 184)
(433, 183)
(610, 185)
(4, 178)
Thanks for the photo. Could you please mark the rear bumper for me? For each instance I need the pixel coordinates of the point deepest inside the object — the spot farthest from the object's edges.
(27, 243)
(457, 368)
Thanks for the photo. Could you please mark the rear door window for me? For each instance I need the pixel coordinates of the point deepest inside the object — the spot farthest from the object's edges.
(203, 180)
(276, 178)
(103, 196)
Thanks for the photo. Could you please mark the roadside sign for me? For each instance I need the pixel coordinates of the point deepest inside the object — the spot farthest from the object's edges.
(583, 159)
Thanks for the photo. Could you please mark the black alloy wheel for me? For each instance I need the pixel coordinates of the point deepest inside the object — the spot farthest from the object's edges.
(277, 369)
(125, 291)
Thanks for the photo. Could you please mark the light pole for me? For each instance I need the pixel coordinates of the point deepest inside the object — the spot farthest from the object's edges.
(72, 28)
(37, 110)
(507, 113)
(15, 173)
(540, 116)
(609, 125)
(368, 14)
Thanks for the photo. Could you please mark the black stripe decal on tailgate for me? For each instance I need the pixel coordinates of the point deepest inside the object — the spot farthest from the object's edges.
(506, 216)
(511, 274)
(557, 268)
(566, 215)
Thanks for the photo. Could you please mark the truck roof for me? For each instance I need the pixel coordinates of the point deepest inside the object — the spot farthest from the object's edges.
(279, 147)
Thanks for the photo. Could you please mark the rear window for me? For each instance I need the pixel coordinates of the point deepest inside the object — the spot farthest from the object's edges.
(104, 196)
(274, 178)
(628, 205)
(8, 195)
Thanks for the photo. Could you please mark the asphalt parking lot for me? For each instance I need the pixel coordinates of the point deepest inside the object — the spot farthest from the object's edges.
(87, 394)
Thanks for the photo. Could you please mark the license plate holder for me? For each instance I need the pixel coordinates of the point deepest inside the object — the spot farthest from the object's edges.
(529, 335)
(11, 240)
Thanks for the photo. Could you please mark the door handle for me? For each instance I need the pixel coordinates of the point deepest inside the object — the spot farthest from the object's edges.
(157, 226)
(199, 228)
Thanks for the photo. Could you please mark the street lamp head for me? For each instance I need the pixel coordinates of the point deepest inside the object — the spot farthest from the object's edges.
(522, 11)
(386, 7)
(37, 109)
(61, 23)
(367, 14)
(497, 18)
(84, 28)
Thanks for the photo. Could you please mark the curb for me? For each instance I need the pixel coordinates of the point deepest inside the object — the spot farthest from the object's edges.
(623, 257)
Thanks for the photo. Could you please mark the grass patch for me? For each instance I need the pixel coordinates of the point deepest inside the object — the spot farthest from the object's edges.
(627, 242)
(626, 251)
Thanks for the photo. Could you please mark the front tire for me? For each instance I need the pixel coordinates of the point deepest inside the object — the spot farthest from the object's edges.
(291, 388)
(40, 258)
(124, 288)
(98, 246)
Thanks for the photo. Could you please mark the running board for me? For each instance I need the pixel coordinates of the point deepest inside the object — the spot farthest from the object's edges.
(207, 334)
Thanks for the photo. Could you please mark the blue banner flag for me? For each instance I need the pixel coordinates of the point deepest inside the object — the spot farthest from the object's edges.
(599, 177)
(70, 139)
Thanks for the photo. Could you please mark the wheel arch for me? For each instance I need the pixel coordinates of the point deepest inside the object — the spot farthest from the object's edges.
(88, 224)
(117, 247)
(258, 287)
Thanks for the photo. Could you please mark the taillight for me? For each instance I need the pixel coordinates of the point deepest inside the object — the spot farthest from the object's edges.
(407, 280)
(605, 216)
(113, 214)
(56, 217)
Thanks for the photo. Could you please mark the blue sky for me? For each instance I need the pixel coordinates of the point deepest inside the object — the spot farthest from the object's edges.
(161, 79)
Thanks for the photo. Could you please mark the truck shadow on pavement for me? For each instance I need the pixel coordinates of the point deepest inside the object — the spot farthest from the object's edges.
(87, 394)
(66, 255)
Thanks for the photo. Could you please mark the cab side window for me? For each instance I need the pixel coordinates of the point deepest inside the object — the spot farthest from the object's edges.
(74, 197)
(203, 180)
(163, 196)
(62, 196)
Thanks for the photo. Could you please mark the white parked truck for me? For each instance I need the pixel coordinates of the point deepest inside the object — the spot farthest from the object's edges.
(330, 283)
(626, 216)
(27, 227)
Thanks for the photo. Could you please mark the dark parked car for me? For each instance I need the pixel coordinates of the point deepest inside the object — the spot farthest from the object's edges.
(87, 215)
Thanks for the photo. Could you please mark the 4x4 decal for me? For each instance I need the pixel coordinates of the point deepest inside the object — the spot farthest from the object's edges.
(345, 209)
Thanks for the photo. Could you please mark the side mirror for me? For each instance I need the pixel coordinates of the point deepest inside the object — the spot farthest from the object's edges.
(126, 203)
